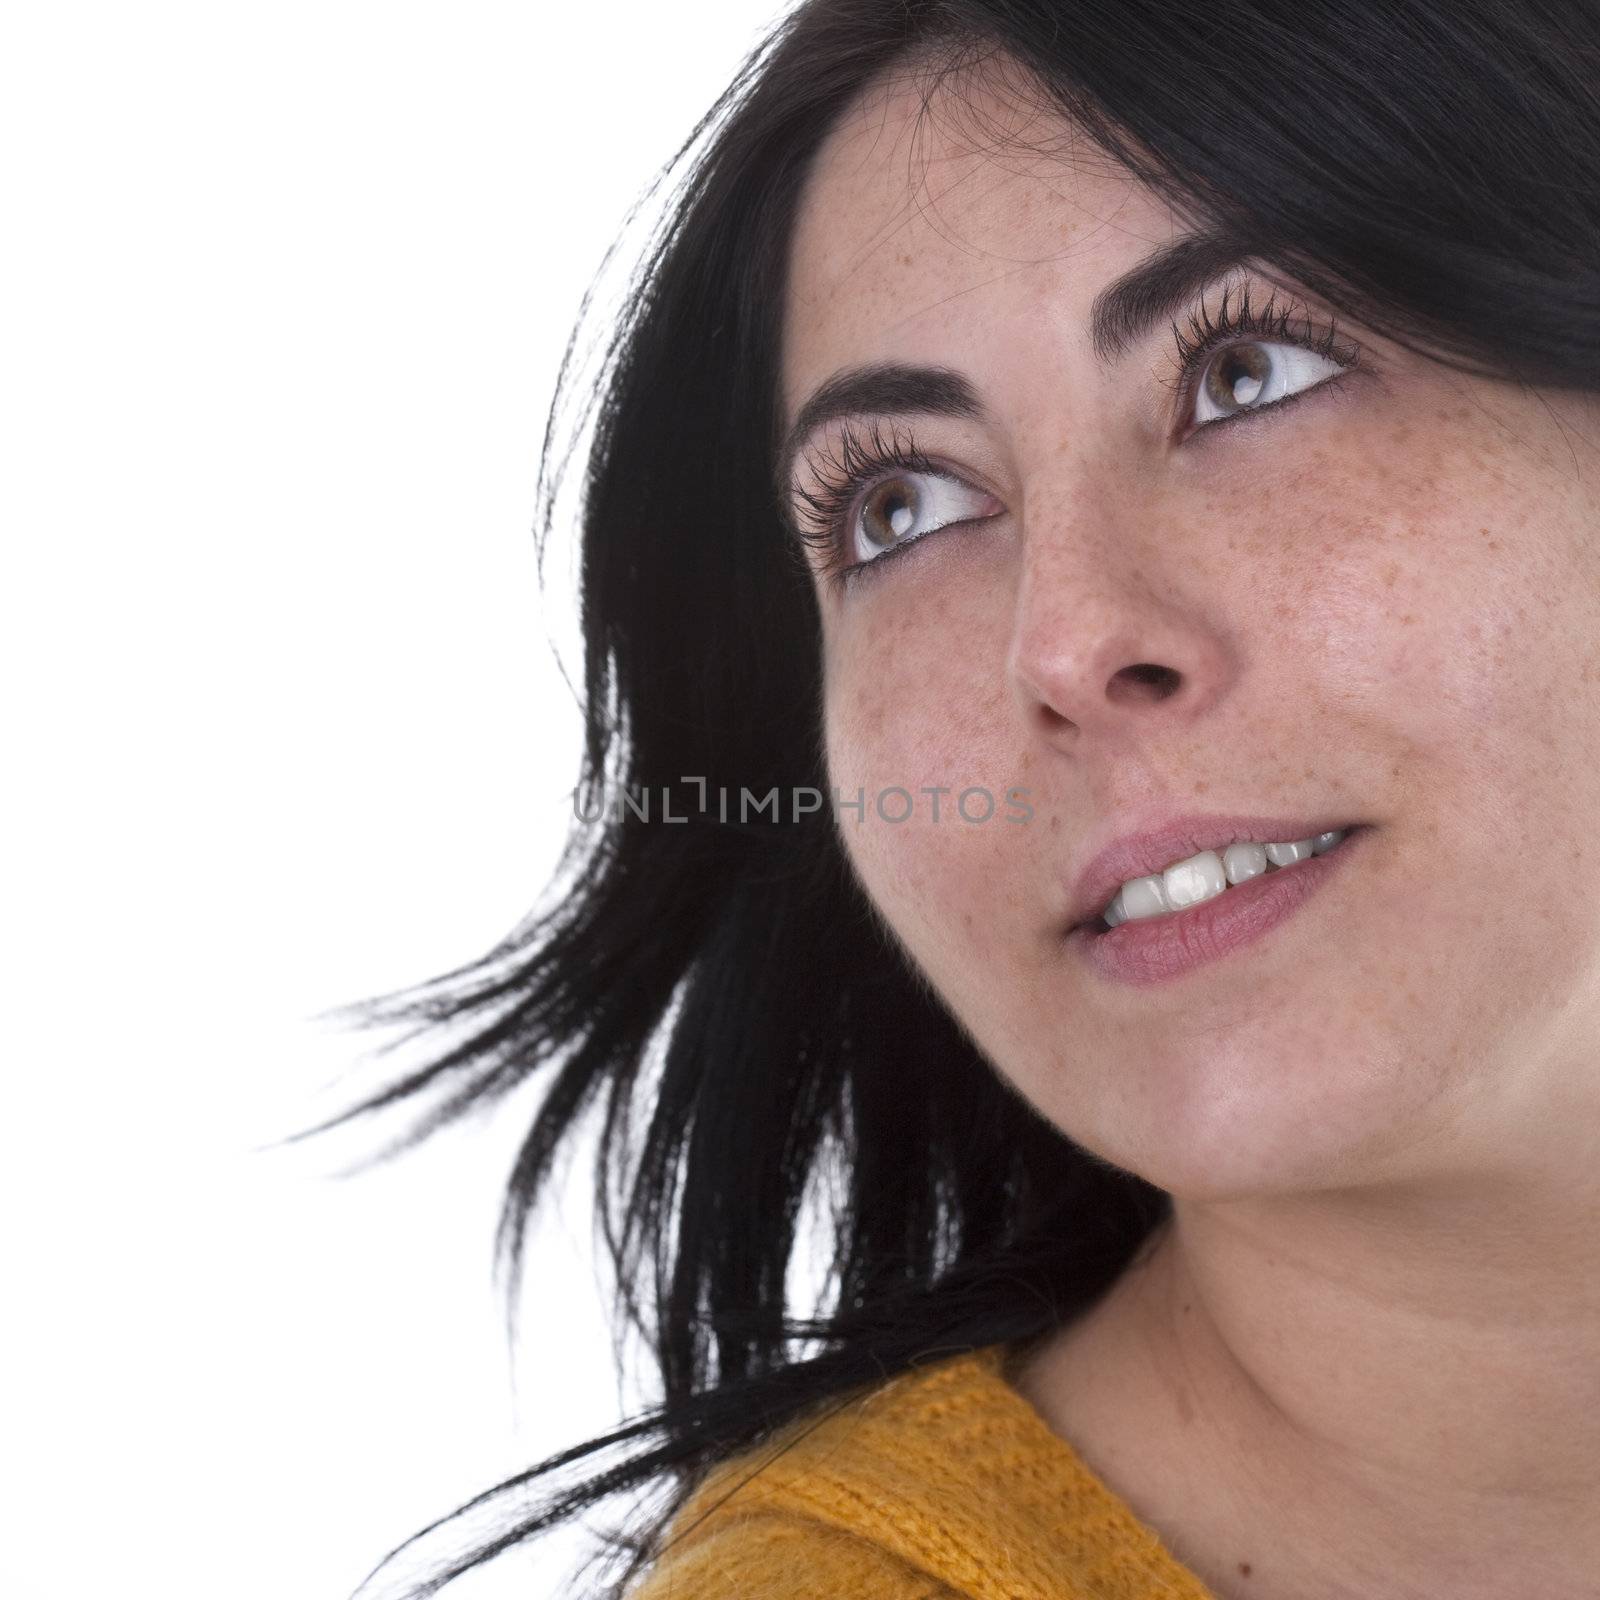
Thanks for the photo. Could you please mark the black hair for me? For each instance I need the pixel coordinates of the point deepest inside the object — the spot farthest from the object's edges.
(719, 993)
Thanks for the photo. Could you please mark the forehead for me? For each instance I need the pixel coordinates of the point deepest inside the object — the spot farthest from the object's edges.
(970, 225)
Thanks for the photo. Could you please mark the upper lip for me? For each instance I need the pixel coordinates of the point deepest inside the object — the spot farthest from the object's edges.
(1175, 838)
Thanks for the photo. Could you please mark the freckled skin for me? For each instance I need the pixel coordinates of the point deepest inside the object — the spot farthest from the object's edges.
(1348, 639)
(1384, 602)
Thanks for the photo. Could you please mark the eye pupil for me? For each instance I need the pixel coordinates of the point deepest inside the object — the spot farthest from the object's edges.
(895, 503)
(1239, 376)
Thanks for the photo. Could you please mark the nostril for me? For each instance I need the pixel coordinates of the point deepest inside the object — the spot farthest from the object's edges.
(1148, 672)
(1144, 681)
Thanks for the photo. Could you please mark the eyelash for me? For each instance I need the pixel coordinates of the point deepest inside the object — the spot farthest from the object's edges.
(841, 476)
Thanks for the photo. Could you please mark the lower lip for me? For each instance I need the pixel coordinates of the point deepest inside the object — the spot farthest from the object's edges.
(1154, 949)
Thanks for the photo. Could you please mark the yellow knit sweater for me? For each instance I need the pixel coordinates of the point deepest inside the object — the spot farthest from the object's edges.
(944, 1484)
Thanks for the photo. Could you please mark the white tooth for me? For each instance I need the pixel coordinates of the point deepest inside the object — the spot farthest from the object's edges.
(1199, 878)
(1241, 861)
(1285, 855)
(1143, 897)
(1202, 877)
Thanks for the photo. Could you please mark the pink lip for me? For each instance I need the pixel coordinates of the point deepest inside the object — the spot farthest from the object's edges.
(1137, 855)
(1155, 949)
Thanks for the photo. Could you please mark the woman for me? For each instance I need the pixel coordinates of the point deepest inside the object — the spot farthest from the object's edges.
(1176, 423)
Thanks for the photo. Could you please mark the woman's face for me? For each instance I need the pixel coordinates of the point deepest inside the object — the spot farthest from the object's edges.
(1377, 601)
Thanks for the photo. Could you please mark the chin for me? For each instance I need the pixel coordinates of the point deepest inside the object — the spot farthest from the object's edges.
(1209, 1129)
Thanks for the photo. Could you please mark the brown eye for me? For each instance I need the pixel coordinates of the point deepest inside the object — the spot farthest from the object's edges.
(890, 512)
(897, 510)
(1238, 375)
(1255, 373)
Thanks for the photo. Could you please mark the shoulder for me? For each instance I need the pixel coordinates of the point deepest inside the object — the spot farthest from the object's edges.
(828, 1506)
(777, 1555)
(943, 1483)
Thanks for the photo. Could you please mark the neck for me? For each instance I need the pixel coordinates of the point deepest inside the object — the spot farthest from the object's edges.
(1352, 1395)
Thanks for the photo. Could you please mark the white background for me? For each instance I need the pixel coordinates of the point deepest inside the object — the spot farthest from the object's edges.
(285, 292)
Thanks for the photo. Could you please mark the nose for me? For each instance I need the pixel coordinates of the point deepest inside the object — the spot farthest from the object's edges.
(1108, 647)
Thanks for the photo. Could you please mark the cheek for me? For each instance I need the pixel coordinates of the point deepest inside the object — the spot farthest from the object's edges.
(919, 729)
(1460, 606)
(905, 687)
(1455, 628)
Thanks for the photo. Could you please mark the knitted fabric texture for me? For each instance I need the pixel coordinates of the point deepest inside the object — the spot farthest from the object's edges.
(943, 1484)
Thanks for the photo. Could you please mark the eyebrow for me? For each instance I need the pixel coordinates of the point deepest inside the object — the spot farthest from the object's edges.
(1122, 313)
